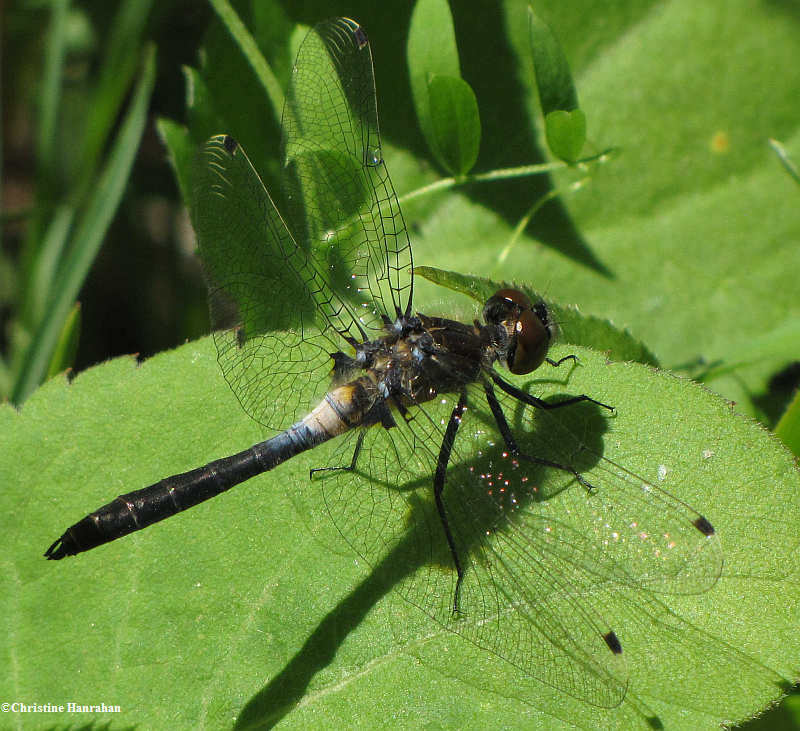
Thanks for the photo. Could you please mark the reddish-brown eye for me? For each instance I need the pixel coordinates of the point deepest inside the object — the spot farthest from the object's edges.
(532, 342)
(514, 296)
(526, 326)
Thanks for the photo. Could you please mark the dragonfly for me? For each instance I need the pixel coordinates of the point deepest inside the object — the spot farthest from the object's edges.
(444, 464)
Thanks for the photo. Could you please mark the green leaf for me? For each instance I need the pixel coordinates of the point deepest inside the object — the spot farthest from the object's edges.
(566, 133)
(431, 49)
(45, 268)
(455, 122)
(275, 627)
(181, 150)
(565, 124)
(553, 77)
(205, 117)
(246, 43)
(50, 93)
(788, 428)
(117, 71)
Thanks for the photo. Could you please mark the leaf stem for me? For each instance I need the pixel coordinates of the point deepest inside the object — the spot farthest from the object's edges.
(786, 161)
(526, 219)
(521, 171)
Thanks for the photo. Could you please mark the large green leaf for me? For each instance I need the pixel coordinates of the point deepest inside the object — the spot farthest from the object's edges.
(241, 613)
(698, 224)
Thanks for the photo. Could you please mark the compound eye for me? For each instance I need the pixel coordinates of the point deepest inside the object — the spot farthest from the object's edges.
(532, 339)
(528, 328)
(514, 296)
(505, 305)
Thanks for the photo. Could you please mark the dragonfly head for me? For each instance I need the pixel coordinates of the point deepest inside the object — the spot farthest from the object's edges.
(524, 329)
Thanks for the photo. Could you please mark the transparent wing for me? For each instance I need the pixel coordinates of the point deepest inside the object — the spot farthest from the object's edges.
(652, 539)
(285, 290)
(540, 552)
(272, 312)
(340, 200)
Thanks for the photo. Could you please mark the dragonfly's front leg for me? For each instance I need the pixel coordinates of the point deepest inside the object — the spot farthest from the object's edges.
(517, 393)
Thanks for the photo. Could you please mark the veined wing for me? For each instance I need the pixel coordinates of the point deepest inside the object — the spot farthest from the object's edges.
(276, 319)
(340, 201)
(653, 539)
(285, 290)
(542, 555)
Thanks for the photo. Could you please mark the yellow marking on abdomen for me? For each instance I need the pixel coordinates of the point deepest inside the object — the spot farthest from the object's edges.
(338, 411)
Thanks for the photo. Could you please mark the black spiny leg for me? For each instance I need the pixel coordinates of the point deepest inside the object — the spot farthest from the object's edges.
(556, 363)
(438, 487)
(347, 468)
(508, 437)
(539, 403)
(378, 414)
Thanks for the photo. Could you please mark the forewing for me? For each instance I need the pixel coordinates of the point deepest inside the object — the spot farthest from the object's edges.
(285, 291)
(272, 312)
(340, 201)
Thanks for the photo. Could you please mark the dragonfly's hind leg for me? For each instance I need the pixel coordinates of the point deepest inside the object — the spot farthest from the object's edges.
(347, 468)
(438, 486)
(378, 414)
(508, 437)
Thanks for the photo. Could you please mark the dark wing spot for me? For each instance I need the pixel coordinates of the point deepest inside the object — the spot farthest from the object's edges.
(613, 643)
(704, 526)
(361, 37)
